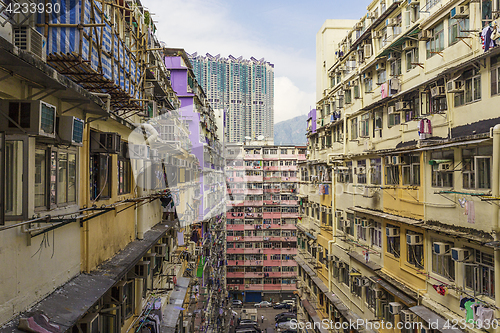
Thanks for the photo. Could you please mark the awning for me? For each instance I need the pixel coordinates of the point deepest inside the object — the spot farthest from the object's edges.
(305, 267)
(453, 144)
(27, 66)
(67, 304)
(171, 311)
(386, 216)
(431, 317)
(313, 314)
(403, 296)
(308, 234)
(319, 283)
(398, 42)
(361, 259)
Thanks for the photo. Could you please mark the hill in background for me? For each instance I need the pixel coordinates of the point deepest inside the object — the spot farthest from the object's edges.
(291, 131)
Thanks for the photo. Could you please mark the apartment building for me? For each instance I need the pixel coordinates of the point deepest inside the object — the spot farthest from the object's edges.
(242, 87)
(262, 213)
(96, 168)
(403, 142)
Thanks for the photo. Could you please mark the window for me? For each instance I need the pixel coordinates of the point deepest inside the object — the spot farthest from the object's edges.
(394, 119)
(356, 288)
(456, 29)
(370, 296)
(472, 88)
(129, 290)
(411, 59)
(354, 128)
(350, 222)
(368, 84)
(411, 170)
(348, 96)
(375, 171)
(443, 265)
(344, 274)
(361, 172)
(414, 108)
(365, 125)
(392, 175)
(486, 12)
(381, 77)
(393, 245)
(361, 232)
(14, 169)
(481, 277)
(415, 253)
(396, 66)
(376, 234)
(100, 176)
(476, 167)
(438, 104)
(436, 43)
(442, 176)
(55, 177)
(495, 75)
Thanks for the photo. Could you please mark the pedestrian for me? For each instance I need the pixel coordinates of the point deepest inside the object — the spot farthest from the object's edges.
(262, 317)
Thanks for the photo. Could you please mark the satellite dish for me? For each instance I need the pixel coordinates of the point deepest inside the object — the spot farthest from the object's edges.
(261, 137)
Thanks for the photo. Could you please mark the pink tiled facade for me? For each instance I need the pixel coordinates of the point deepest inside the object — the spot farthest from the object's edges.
(262, 213)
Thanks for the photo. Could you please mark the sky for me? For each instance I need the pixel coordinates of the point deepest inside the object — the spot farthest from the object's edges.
(283, 32)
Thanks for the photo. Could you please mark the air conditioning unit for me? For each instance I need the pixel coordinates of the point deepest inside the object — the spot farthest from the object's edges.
(392, 232)
(413, 2)
(445, 167)
(367, 50)
(364, 223)
(28, 39)
(236, 287)
(459, 12)
(109, 143)
(338, 213)
(70, 130)
(33, 116)
(392, 22)
(394, 307)
(455, 86)
(89, 323)
(441, 248)
(438, 91)
(371, 15)
(377, 34)
(425, 35)
(342, 68)
(361, 170)
(161, 250)
(341, 264)
(396, 160)
(380, 66)
(392, 56)
(413, 239)
(388, 160)
(141, 269)
(379, 294)
(358, 26)
(357, 220)
(461, 255)
(407, 316)
(410, 44)
(139, 152)
(247, 286)
(391, 109)
(401, 106)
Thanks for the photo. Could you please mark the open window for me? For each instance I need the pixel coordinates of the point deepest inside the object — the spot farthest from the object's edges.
(476, 167)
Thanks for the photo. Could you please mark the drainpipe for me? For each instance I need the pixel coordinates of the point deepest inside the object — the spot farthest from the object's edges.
(108, 99)
(495, 193)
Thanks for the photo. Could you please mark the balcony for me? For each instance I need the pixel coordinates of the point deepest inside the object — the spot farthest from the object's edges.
(234, 203)
(253, 191)
(251, 226)
(235, 274)
(290, 202)
(234, 238)
(274, 274)
(248, 157)
(235, 179)
(272, 190)
(252, 179)
(252, 251)
(289, 179)
(291, 251)
(272, 286)
(234, 215)
(288, 226)
(252, 203)
(253, 287)
(288, 156)
(253, 167)
(271, 168)
(250, 275)
(288, 274)
(273, 263)
(288, 287)
(288, 168)
(255, 215)
(235, 227)
(290, 262)
(290, 215)
(235, 250)
(271, 251)
(271, 202)
(254, 238)
(272, 215)
(252, 262)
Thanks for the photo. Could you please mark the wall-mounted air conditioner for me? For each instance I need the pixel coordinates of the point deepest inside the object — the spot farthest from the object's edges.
(388, 160)
(401, 106)
(441, 248)
(358, 26)
(407, 316)
(395, 307)
(89, 323)
(33, 116)
(445, 167)
(70, 130)
(410, 44)
(377, 34)
(392, 232)
(371, 15)
(412, 239)
(425, 35)
(28, 39)
(139, 152)
(413, 2)
(438, 91)
(161, 250)
(459, 12)
(461, 255)
(391, 109)
(109, 143)
(392, 56)
(141, 269)
(455, 86)
(392, 22)
(380, 66)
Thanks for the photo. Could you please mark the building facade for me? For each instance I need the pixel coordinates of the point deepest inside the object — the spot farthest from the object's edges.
(407, 229)
(242, 87)
(97, 171)
(262, 213)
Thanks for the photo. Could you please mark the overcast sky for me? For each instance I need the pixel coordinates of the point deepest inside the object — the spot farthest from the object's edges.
(283, 32)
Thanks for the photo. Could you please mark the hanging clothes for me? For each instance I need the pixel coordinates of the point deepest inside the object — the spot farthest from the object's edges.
(424, 129)
(486, 38)
(469, 311)
(471, 214)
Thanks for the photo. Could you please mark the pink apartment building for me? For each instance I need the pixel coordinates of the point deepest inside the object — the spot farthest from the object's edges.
(262, 213)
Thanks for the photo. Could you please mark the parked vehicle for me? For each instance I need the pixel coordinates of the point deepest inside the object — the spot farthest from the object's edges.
(248, 322)
(263, 304)
(237, 303)
(282, 306)
(284, 314)
(283, 319)
(247, 330)
(248, 326)
(289, 301)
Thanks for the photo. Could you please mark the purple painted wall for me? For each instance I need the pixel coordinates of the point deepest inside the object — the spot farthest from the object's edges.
(312, 116)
